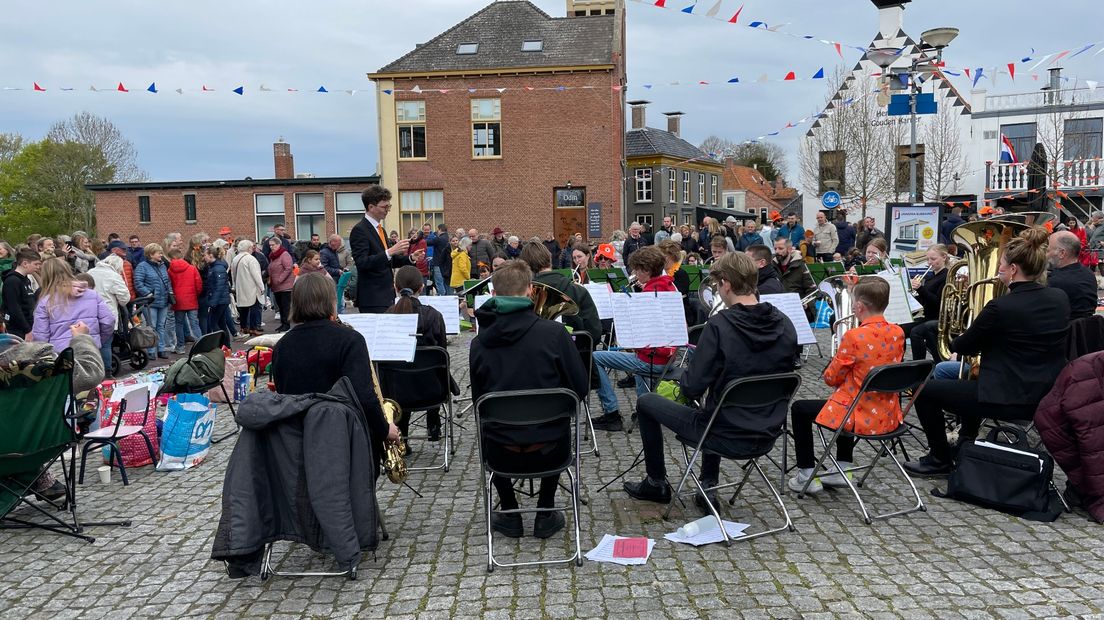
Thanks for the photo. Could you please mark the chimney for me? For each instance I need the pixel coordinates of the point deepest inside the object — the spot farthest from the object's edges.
(639, 108)
(673, 122)
(891, 16)
(1055, 78)
(285, 163)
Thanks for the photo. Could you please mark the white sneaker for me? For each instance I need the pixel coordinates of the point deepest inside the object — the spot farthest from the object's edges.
(835, 479)
(798, 481)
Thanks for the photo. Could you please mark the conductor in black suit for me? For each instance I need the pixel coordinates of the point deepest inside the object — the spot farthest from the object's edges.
(374, 255)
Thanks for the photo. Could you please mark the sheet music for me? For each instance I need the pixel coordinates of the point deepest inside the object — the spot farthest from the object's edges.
(600, 293)
(913, 302)
(448, 306)
(480, 300)
(898, 309)
(390, 337)
(649, 320)
(790, 305)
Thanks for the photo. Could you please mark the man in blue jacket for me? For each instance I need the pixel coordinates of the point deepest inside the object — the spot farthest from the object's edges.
(791, 230)
(440, 264)
(950, 223)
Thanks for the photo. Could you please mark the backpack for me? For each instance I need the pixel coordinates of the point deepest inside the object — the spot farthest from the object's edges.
(195, 373)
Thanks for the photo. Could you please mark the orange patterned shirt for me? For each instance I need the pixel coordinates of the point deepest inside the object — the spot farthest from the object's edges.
(874, 343)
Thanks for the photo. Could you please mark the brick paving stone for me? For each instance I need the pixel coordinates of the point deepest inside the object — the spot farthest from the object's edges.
(955, 560)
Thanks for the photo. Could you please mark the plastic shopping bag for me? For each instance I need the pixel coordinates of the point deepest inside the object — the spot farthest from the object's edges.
(823, 315)
(186, 432)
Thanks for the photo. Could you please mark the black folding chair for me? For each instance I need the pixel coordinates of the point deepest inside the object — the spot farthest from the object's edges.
(519, 409)
(675, 367)
(206, 344)
(585, 343)
(887, 379)
(136, 401)
(430, 371)
(758, 392)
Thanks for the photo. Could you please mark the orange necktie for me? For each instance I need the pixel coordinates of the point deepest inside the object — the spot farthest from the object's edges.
(383, 237)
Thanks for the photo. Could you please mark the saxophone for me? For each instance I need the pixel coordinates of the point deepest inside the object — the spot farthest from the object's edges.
(393, 453)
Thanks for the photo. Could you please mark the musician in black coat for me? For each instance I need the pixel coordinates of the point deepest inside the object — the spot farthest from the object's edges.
(1021, 337)
(1067, 274)
(924, 333)
(375, 257)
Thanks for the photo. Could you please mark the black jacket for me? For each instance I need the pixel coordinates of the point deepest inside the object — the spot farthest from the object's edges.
(1079, 284)
(18, 303)
(632, 245)
(769, 282)
(516, 350)
(331, 262)
(951, 222)
(930, 294)
(587, 318)
(1022, 340)
(864, 237)
(400, 386)
(739, 342)
(846, 233)
(302, 470)
(375, 278)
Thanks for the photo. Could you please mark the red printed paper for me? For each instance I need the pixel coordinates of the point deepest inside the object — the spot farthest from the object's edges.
(630, 548)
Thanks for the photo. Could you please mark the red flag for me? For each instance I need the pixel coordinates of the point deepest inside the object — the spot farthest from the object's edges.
(703, 83)
(661, 4)
(967, 72)
(39, 88)
(736, 17)
(121, 88)
(789, 76)
(839, 49)
(1012, 70)
(205, 89)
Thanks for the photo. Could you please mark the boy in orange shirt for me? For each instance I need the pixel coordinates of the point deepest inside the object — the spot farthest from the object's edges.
(875, 342)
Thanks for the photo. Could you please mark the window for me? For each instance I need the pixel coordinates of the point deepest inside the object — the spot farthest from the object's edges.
(310, 215)
(730, 202)
(418, 208)
(686, 219)
(143, 210)
(189, 208)
(350, 210)
(832, 169)
(411, 116)
(1082, 138)
(903, 170)
(268, 210)
(532, 46)
(672, 186)
(686, 186)
(645, 219)
(643, 184)
(486, 136)
(713, 187)
(466, 49)
(1022, 137)
(701, 188)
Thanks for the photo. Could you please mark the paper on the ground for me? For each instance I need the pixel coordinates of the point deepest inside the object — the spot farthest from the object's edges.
(649, 319)
(390, 337)
(448, 306)
(600, 293)
(790, 305)
(898, 309)
(735, 530)
(604, 552)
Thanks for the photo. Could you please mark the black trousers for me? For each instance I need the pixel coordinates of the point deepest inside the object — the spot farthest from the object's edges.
(372, 309)
(283, 303)
(548, 457)
(924, 337)
(803, 415)
(433, 421)
(962, 399)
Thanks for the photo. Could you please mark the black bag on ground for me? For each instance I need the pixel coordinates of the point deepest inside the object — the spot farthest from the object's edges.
(1010, 477)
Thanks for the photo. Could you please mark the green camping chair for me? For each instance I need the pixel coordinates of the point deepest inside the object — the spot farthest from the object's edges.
(36, 413)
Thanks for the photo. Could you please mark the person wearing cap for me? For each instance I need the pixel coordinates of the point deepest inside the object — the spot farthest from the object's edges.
(605, 256)
(730, 229)
(118, 248)
(791, 230)
(986, 211)
(498, 241)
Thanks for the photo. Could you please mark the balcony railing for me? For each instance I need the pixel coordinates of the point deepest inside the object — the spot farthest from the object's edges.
(1043, 98)
(1071, 174)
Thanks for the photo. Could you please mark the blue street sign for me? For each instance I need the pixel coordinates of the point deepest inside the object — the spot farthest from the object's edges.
(830, 200)
(925, 104)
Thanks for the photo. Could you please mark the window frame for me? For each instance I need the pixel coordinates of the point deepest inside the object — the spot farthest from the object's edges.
(416, 218)
(312, 215)
(411, 125)
(352, 216)
(528, 42)
(672, 186)
(1088, 141)
(194, 213)
(642, 185)
(686, 187)
(467, 49)
(268, 215)
(144, 209)
(491, 125)
(714, 183)
(1023, 145)
(701, 188)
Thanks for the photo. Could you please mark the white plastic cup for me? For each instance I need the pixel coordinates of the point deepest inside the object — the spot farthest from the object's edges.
(105, 474)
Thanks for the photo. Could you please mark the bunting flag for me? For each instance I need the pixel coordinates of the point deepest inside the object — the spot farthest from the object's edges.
(322, 89)
(980, 74)
(819, 75)
(789, 77)
(39, 88)
(239, 90)
(122, 88)
(690, 9)
(716, 9)
(1012, 70)
(152, 87)
(735, 18)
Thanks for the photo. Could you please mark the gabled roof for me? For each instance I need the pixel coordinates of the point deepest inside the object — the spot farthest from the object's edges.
(737, 177)
(499, 29)
(650, 141)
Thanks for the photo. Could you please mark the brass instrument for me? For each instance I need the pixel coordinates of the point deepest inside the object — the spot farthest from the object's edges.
(710, 298)
(394, 462)
(548, 302)
(972, 281)
(842, 300)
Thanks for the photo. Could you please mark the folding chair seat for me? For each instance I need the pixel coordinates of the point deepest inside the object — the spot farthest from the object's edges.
(431, 373)
(209, 343)
(756, 392)
(136, 401)
(890, 378)
(519, 409)
(675, 367)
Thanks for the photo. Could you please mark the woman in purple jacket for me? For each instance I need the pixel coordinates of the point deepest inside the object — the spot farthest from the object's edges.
(64, 302)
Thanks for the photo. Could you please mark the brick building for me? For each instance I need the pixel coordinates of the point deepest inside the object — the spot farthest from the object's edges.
(250, 207)
(746, 189)
(510, 118)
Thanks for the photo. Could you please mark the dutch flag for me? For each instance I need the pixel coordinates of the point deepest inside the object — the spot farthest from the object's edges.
(1007, 153)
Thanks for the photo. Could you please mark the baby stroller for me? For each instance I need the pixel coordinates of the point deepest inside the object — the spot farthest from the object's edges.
(121, 348)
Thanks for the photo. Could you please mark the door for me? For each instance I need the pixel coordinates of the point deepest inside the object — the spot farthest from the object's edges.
(569, 220)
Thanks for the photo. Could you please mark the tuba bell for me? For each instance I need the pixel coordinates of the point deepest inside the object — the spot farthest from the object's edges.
(394, 454)
(709, 297)
(551, 303)
(842, 299)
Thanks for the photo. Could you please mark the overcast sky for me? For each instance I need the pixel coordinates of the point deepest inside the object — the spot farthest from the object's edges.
(281, 44)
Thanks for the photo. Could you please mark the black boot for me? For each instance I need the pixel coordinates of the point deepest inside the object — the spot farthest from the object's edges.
(649, 491)
(608, 422)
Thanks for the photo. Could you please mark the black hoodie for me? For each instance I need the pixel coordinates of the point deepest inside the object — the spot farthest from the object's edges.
(739, 342)
(516, 350)
(769, 282)
(587, 318)
(18, 303)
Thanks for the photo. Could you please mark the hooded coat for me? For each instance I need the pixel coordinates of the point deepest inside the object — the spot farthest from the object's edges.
(1070, 419)
(302, 470)
(53, 320)
(741, 341)
(587, 318)
(216, 285)
(769, 282)
(186, 284)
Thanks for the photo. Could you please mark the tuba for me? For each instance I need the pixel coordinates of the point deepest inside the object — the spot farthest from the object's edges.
(550, 303)
(972, 281)
(710, 298)
(394, 462)
(842, 299)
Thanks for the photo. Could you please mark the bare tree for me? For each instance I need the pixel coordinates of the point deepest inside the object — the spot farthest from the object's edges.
(944, 161)
(768, 158)
(1051, 130)
(102, 135)
(716, 147)
(10, 145)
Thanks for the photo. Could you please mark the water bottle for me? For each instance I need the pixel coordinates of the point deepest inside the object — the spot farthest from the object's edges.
(694, 528)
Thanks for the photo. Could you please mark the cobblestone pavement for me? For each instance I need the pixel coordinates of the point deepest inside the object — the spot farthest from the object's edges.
(952, 561)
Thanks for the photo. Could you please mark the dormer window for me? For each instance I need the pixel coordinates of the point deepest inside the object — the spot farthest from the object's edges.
(532, 46)
(467, 48)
